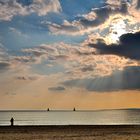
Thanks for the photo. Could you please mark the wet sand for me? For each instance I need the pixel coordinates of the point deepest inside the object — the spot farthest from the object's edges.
(108, 132)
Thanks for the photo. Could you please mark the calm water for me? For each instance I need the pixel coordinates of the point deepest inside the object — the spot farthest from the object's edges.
(107, 117)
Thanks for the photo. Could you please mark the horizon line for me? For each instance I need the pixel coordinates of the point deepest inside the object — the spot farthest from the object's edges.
(76, 109)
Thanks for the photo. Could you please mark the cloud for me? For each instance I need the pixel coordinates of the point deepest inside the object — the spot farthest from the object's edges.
(4, 66)
(24, 78)
(3, 52)
(138, 4)
(10, 94)
(87, 23)
(77, 60)
(11, 8)
(59, 88)
(128, 79)
(129, 46)
(57, 51)
(87, 68)
(120, 15)
(42, 7)
(135, 3)
(4, 59)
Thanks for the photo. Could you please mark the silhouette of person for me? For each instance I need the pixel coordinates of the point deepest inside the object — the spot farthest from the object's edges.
(12, 121)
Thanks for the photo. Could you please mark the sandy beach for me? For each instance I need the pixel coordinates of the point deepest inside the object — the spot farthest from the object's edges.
(122, 132)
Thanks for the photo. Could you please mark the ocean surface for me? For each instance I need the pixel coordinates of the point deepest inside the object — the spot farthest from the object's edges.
(103, 117)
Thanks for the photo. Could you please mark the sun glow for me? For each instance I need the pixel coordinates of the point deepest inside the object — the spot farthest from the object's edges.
(117, 28)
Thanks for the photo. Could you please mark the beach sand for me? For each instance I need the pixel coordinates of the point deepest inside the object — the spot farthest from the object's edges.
(112, 132)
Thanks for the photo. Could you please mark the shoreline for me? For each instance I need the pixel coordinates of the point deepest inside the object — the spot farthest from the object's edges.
(68, 132)
(76, 125)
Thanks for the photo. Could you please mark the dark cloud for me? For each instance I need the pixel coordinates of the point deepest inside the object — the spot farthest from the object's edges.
(21, 78)
(4, 66)
(87, 68)
(10, 93)
(128, 79)
(124, 7)
(59, 88)
(32, 78)
(129, 46)
(138, 4)
(103, 13)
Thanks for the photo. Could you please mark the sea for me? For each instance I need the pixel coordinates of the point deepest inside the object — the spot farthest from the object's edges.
(67, 117)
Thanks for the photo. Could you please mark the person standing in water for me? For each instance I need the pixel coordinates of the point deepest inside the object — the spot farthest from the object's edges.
(12, 121)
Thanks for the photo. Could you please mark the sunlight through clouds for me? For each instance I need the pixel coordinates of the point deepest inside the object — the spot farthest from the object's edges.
(82, 52)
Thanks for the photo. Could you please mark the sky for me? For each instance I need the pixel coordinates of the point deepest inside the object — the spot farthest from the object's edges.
(61, 54)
